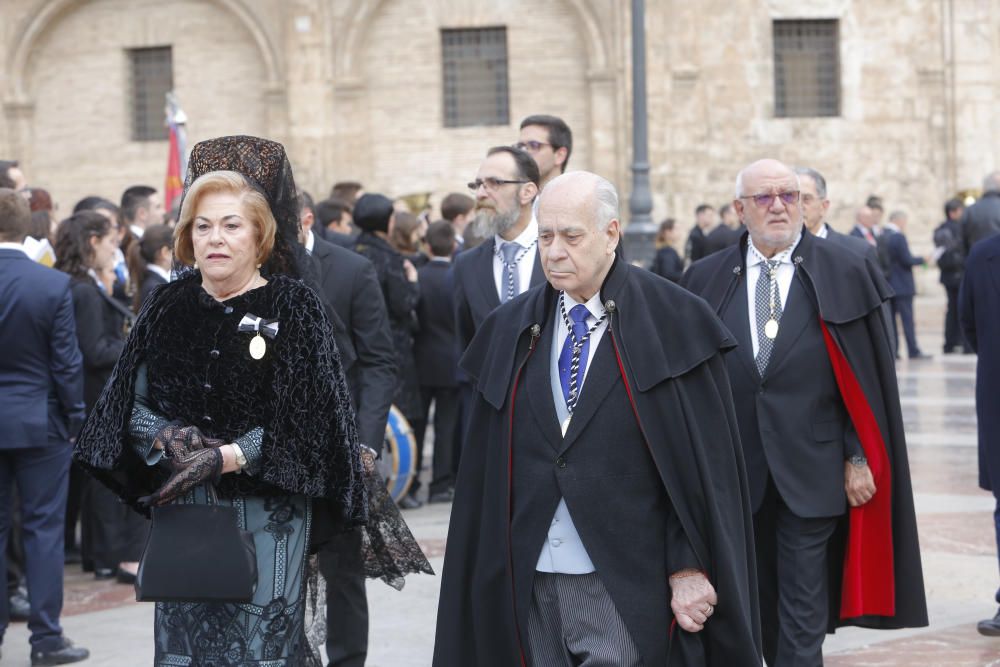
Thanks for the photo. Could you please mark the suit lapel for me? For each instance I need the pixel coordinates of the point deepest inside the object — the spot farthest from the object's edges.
(737, 320)
(602, 376)
(794, 318)
(537, 274)
(484, 276)
(538, 388)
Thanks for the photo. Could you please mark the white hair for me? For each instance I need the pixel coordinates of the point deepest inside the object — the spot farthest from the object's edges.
(798, 182)
(992, 182)
(605, 195)
(607, 203)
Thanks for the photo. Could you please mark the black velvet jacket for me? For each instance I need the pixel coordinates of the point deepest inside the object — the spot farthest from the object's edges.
(200, 372)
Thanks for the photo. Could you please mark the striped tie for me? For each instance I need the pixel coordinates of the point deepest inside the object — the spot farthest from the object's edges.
(765, 292)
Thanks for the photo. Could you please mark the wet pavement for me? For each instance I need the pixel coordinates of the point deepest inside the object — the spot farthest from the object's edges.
(954, 517)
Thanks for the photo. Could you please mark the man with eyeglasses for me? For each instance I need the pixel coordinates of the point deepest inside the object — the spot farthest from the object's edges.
(506, 264)
(815, 205)
(817, 405)
(549, 141)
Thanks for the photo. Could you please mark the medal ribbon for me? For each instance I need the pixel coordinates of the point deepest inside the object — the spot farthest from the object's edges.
(251, 322)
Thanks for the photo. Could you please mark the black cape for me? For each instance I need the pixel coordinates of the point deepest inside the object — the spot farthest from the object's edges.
(670, 347)
(848, 290)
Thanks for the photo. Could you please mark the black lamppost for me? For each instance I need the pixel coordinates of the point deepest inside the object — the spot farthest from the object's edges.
(640, 232)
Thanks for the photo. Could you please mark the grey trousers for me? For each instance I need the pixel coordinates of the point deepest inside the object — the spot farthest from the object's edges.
(573, 622)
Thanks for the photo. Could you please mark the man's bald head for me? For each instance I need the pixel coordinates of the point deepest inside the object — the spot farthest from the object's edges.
(578, 231)
(767, 201)
(584, 185)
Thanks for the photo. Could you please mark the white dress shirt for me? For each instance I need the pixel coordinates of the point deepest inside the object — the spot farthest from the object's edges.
(310, 241)
(786, 269)
(563, 550)
(525, 265)
(138, 231)
(824, 231)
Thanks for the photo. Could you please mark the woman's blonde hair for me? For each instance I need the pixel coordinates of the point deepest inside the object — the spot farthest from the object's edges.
(229, 182)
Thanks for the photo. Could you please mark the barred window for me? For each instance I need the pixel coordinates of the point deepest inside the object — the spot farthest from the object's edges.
(474, 64)
(152, 79)
(806, 68)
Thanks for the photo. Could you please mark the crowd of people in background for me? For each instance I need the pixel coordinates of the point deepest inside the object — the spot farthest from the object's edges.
(435, 276)
(952, 240)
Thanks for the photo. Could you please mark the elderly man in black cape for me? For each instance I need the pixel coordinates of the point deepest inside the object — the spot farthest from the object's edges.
(814, 385)
(601, 515)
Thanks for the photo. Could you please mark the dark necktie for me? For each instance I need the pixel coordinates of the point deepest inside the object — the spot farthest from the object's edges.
(766, 290)
(510, 282)
(573, 366)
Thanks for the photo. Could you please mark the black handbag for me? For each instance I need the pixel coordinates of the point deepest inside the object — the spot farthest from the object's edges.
(197, 553)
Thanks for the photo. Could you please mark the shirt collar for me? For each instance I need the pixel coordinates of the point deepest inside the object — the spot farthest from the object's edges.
(593, 304)
(160, 271)
(824, 231)
(6, 245)
(755, 257)
(525, 239)
(310, 241)
(138, 231)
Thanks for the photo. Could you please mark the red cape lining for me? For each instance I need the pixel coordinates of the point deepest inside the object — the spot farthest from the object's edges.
(869, 586)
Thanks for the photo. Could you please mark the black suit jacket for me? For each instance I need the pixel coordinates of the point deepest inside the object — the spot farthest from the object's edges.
(981, 220)
(668, 264)
(980, 315)
(100, 327)
(41, 369)
(793, 424)
(852, 242)
(476, 290)
(434, 346)
(150, 281)
(349, 285)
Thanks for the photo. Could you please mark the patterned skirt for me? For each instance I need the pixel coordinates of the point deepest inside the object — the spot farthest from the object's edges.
(268, 632)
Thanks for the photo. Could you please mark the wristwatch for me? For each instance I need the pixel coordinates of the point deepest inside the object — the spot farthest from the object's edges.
(241, 458)
(858, 461)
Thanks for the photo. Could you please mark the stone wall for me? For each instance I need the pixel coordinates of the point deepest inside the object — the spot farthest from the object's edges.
(353, 88)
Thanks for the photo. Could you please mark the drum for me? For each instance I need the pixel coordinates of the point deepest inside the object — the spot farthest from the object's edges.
(399, 455)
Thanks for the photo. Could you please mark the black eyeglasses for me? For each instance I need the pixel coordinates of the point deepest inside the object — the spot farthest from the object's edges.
(491, 183)
(532, 146)
(765, 201)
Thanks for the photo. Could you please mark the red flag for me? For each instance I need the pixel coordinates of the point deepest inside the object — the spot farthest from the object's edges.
(174, 186)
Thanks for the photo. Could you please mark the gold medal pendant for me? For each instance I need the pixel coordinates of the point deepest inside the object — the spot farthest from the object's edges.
(258, 347)
(771, 329)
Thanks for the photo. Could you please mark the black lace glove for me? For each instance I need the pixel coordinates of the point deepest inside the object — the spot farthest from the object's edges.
(177, 441)
(187, 470)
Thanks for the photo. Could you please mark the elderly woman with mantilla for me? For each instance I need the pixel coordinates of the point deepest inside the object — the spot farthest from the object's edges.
(230, 376)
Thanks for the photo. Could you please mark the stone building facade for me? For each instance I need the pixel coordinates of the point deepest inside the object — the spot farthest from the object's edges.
(353, 88)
